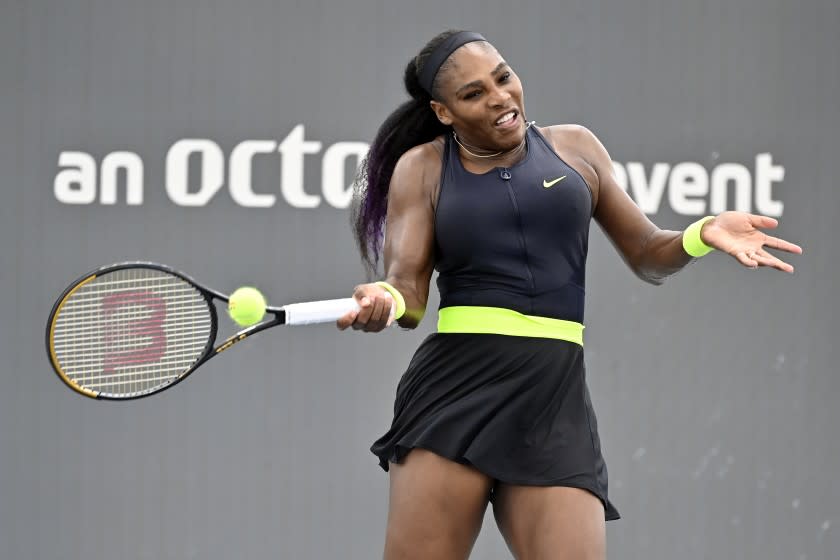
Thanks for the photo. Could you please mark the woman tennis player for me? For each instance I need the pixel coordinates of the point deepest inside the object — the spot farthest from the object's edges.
(494, 407)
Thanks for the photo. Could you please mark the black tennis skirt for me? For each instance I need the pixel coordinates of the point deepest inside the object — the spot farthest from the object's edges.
(515, 408)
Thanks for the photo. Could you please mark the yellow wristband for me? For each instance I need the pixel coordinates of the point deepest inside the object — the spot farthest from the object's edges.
(398, 299)
(691, 241)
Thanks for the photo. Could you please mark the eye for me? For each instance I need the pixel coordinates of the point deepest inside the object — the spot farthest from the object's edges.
(472, 94)
(504, 77)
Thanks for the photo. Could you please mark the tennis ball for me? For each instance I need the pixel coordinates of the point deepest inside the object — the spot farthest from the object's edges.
(246, 306)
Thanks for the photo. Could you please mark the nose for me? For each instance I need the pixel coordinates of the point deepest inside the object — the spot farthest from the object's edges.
(499, 97)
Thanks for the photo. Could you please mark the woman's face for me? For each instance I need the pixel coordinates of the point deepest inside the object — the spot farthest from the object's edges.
(482, 98)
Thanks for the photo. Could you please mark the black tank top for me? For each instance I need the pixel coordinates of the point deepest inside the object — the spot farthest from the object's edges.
(513, 237)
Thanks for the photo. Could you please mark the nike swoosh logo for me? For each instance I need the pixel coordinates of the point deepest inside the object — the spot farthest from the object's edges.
(549, 184)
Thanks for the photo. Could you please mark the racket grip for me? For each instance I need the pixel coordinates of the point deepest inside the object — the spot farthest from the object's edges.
(326, 311)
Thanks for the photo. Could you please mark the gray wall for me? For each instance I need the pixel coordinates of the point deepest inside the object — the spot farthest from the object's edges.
(716, 393)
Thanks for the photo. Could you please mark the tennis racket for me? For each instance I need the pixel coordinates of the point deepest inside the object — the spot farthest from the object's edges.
(131, 330)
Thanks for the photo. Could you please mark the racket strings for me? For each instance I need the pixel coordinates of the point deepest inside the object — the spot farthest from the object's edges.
(174, 340)
(174, 345)
(81, 307)
(131, 331)
(193, 317)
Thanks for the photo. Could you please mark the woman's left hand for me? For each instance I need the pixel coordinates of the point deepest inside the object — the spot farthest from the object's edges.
(740, 235)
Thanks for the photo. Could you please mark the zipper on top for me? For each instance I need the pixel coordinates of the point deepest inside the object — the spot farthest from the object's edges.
(505, 174)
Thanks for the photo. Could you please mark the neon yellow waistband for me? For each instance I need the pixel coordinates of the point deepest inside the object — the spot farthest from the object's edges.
(497, 320)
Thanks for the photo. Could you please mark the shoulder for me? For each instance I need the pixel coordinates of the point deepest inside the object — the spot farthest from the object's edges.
(417, 172)
(581, 142)
(570, 135)
(582, 150)
(422, 159)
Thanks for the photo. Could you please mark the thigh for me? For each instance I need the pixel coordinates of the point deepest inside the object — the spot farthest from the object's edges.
(436, 508)
(551, 523)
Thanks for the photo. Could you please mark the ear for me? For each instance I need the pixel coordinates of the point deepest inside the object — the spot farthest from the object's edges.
(442, 112)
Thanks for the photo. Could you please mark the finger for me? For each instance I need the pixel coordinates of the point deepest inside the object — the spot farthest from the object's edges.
(782, 245)
(360, 323)
(763, 258)
(359, 291)
(387, 316)
(365, 309)
(746, 259)
(376, 322)
(390, 320)
(765, 222)
(346, 320)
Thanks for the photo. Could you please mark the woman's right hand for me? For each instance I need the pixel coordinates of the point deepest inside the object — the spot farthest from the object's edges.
(376, 310)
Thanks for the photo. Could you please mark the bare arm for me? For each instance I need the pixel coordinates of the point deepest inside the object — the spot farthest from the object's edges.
(654, 254)
(409, 233)
(651, 253)
(409, 243)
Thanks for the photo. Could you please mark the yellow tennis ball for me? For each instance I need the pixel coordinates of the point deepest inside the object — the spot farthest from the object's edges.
(246, 306)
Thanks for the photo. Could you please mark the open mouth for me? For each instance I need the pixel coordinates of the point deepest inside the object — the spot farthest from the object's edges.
(508, 119)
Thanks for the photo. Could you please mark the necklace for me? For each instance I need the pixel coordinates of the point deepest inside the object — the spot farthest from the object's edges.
(497, 154)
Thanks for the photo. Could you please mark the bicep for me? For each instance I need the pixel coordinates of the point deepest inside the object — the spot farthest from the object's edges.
(409, 229)
(622, 220)
(408, 252)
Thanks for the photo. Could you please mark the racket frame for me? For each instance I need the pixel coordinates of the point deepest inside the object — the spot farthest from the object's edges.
(208, 352)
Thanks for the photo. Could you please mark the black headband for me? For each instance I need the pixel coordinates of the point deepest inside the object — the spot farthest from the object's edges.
(441, 53)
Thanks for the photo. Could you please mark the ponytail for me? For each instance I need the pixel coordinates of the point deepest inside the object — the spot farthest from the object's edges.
(411, 124)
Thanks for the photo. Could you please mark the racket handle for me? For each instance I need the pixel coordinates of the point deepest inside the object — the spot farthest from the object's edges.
(326, 311)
